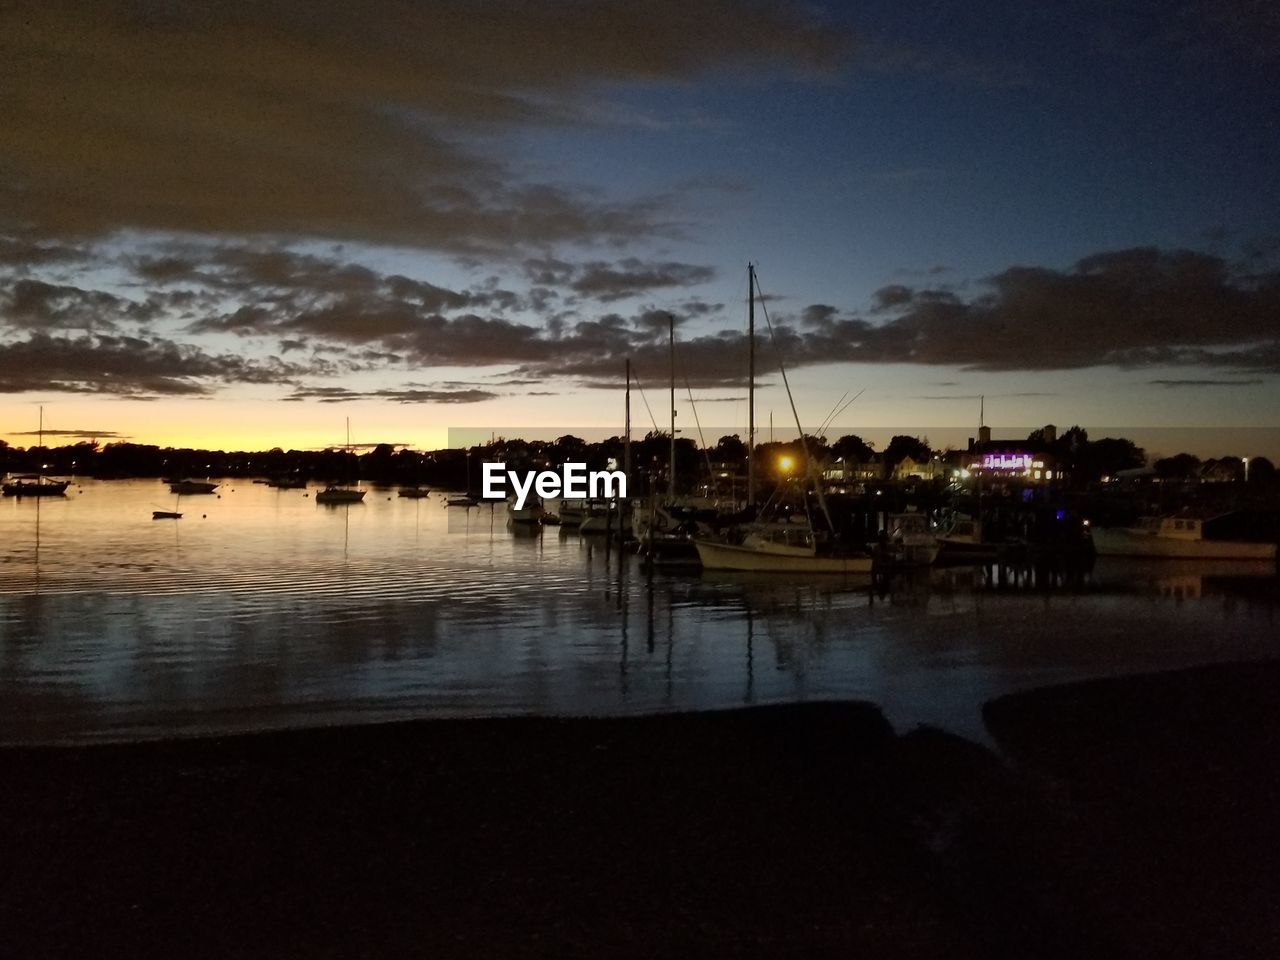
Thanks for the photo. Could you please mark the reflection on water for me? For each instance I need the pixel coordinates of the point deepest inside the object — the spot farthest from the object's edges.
(261, 608)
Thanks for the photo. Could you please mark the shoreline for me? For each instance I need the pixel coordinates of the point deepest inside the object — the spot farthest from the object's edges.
(1125, 817)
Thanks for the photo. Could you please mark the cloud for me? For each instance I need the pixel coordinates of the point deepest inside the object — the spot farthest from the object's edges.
(129, 366)
(404, 395)
(366, 122)
(1175, 384)
(1128, 308)
(606, 282)
(1125, 308)
(78, 434)
(22, 252)
(30, 304)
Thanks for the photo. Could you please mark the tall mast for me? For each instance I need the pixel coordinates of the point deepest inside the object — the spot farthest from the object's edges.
(671, 480)
(751, 383)
(626, 442)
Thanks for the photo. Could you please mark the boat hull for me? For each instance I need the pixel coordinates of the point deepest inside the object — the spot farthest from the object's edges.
(1123, 542)
(192, 486)
(47, 488)
(340, 496)
(727, 556)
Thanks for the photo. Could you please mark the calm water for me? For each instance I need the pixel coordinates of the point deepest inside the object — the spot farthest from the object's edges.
(262, 609)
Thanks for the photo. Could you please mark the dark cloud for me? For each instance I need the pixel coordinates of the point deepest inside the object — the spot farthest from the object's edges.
(1174, 384)
(404, 395)
(817, 314)
(73, 434)
(129, 366)
(1129, 308)
(343, 120)
(890, 297)
(1123, 308)
(606, 282)
(22, 252)
(30, 304)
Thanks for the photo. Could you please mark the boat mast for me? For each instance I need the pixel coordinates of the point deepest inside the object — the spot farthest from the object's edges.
(804, 444)
(751, 384)
(626, 442)
(671, 480)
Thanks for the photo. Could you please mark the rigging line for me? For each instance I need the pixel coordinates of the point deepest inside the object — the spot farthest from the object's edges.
(823, 425)
(804, 444)
(702, 441)
(636, 377)
(850, 403)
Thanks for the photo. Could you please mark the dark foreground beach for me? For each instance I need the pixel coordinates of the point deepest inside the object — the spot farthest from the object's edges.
(1129, 818)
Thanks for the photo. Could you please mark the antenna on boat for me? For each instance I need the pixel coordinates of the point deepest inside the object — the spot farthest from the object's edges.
(626, 442)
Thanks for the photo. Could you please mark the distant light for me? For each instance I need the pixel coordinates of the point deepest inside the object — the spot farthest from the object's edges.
(785, 464)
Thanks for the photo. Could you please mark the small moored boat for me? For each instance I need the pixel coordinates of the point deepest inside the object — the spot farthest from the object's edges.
(34, 486)
(191, 486)
(1177, 537)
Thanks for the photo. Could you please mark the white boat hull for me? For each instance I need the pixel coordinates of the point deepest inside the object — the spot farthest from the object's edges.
(1123, 542)
(726, 556)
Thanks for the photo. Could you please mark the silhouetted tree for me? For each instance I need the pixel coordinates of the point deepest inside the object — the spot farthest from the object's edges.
(1181, 466)
(1262, 472)
(729, 449)
(852, 448)
(901, 447)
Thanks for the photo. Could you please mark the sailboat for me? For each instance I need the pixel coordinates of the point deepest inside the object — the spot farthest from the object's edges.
(35, 484)
(340, 494)
(781, 546)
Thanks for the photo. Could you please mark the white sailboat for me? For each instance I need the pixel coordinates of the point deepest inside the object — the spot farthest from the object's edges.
(782, 547)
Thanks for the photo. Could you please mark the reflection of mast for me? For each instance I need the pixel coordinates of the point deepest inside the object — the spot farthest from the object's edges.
(37, 556)
(671, 481)
(751, 384)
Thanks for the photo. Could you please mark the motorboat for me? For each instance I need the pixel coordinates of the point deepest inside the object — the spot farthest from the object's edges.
(187, 487)
(1176, 537)
(413, 493)
(336, 494)
(910, 540)
(962, 540)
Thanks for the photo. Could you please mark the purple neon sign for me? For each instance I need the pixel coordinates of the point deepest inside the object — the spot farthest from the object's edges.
(1006, 461)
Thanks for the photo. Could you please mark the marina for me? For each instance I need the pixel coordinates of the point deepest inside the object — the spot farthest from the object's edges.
(265, 610)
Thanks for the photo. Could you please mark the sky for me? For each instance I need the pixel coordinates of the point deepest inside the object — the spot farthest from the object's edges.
(242, 225)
